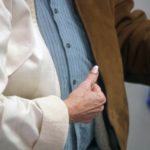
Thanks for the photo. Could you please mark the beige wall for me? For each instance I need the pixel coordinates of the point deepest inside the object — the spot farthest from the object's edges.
(139, 134)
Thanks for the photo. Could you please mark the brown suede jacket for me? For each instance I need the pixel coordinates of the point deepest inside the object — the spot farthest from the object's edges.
(120, 40)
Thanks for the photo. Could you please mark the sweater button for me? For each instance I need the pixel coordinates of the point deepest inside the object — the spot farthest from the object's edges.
(74, 82)
(68, 45)
(55, 10)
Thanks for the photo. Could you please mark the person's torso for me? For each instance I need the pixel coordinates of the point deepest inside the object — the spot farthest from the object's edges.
(36, 75)
(67, 42)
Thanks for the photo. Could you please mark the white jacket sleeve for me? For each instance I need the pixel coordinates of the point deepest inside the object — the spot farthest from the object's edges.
(40, 124)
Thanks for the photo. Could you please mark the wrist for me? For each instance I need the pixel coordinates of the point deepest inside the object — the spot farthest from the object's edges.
(68, 105)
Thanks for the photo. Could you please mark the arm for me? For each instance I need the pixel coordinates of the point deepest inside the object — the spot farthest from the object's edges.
(26, 124)
(133, 30)
(37, 124)
(42, 123)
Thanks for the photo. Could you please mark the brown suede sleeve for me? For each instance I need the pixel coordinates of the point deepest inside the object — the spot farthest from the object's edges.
(133, 29)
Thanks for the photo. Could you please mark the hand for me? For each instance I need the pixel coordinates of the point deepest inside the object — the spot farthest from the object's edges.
(87, 100)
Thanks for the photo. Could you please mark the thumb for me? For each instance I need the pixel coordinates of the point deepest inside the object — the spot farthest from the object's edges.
(91, 78)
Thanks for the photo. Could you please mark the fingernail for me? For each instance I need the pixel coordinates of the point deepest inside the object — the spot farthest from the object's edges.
(95, 69)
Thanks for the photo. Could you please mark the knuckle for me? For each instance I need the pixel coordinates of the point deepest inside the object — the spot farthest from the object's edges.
(103, 98)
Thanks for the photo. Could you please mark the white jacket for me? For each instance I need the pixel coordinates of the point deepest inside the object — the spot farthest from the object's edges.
(31, 117)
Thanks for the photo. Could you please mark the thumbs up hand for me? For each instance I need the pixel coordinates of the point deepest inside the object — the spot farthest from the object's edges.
(87, 100)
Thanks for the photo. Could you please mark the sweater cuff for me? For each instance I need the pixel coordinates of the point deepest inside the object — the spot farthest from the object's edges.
(55, 124)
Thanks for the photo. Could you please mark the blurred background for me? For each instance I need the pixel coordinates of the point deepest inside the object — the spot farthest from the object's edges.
(139, 132)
